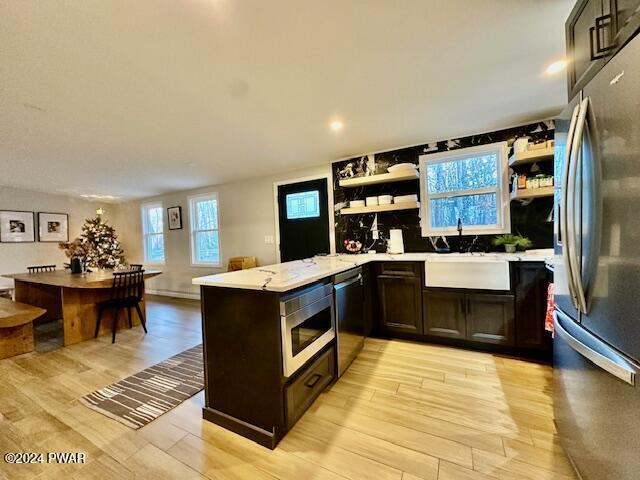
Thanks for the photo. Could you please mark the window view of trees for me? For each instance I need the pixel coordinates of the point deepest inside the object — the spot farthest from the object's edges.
(205, 231)
(460, 178)
(471, 209)
(154, 234)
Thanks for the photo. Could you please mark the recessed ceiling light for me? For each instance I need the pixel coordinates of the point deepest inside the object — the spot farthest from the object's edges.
(336, 125)
(556, 67)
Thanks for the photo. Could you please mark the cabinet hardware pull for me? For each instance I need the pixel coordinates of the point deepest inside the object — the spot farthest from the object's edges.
(315, 378)
(602, 22)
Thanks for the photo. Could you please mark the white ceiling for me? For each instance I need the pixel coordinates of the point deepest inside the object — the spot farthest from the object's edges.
(135, 98)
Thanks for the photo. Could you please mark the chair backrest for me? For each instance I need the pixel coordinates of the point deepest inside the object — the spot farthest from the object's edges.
(127, 284)
(41, 268)
(135, 266)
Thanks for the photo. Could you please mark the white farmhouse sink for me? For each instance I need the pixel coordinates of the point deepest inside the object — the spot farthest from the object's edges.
(486, 272)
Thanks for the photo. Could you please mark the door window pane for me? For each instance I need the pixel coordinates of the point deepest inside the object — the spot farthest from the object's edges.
(471, 209)
(303, 205)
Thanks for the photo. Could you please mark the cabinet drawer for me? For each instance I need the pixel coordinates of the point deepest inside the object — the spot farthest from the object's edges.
(306, 387)
(403, 269)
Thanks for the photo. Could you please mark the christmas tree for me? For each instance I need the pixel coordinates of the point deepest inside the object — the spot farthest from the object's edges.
(101, 244)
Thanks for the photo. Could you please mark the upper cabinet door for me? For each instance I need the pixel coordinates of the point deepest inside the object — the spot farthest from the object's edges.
(596, 30)
(624, 19)
(582, 43)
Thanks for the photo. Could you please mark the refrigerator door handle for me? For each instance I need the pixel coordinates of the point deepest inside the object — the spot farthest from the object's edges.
(563, 206)
(594, 349)
(570, 240)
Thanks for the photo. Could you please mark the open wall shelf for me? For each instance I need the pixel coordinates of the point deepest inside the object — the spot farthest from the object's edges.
(527, 193)
(531, 156)
(381, 178)
(381, 208)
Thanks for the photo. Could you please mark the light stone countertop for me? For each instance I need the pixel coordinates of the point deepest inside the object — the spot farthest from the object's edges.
(282, 277)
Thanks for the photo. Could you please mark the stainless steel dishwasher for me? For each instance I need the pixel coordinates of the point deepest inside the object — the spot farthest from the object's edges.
(349, 309)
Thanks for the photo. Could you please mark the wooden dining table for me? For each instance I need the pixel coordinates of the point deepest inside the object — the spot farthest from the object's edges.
(73, 298)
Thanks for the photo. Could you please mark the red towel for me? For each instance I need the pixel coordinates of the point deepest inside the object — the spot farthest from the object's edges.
(548, 321)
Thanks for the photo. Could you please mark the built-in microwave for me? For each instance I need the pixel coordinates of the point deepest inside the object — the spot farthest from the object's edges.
(307, 325)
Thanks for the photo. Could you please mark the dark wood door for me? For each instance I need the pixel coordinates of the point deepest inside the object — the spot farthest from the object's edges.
(444, 314)
(490, 318)
(303, 219)
(582, 44)
(400, 303)
(530, 281)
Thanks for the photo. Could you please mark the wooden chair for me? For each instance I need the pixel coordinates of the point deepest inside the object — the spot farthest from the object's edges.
(127, 291)
(41, 268)
(135, 266)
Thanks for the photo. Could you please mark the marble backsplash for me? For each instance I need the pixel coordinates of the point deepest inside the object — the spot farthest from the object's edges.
(531, 219)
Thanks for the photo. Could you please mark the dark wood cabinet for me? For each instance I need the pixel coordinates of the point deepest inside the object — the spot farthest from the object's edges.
(582, 44)
(530, 281)
(399, 297)
(308, 384)
(463, 315)
(444, 314)
(595, 31)
(490, 318)
(369, 298)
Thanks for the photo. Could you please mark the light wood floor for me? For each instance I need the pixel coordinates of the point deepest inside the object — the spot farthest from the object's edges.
(403, 411)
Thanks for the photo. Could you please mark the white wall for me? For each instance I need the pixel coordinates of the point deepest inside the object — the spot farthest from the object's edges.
(16, 257)
(246, 212)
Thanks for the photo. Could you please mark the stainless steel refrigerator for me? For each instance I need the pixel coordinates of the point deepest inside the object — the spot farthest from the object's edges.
(597, 273)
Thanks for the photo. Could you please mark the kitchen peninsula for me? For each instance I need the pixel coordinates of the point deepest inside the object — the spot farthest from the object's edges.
(276, 336)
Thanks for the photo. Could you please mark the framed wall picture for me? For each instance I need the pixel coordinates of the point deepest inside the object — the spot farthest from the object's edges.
(175, 218)
(17, 226)
(53, 227)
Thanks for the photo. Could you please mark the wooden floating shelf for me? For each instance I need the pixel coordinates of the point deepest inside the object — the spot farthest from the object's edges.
(381, 178)
(531, 156)
(381, 208)
(527, 193)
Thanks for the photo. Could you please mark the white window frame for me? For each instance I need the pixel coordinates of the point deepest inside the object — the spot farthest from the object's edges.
(145, 231)
(501, 190)
(192, 230)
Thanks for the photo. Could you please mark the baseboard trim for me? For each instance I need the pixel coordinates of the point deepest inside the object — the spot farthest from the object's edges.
(247, 430)
(170, 293)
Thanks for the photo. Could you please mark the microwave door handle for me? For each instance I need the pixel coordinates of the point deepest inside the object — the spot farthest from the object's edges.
(595, 350)
(563, 204)
(576, 153)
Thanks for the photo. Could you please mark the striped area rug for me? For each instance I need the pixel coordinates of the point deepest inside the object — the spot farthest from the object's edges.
(143, 397)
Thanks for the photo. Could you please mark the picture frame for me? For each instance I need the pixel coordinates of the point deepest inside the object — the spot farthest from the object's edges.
(17, 226)
(53, 227)
(175, 218)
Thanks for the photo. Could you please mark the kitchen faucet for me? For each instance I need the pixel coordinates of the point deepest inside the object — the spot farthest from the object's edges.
(460, 249)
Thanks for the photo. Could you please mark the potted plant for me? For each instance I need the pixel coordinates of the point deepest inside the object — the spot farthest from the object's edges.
(512, 242)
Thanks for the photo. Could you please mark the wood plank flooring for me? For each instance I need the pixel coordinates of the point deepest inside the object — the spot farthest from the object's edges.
(403, 411)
